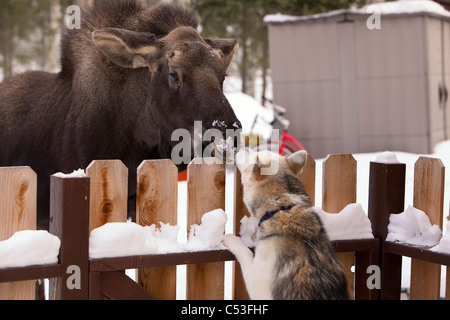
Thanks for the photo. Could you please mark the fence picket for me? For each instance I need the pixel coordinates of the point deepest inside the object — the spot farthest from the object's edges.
(386, 196)
(157, 195)
(308, 178)
(109, 192)
(447, 285)
(240, 210)
(339, 190)
(429, 175)
(69, 221)
(17, 212)
(206, 192)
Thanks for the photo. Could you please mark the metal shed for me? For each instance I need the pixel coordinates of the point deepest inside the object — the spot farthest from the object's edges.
(351, 89)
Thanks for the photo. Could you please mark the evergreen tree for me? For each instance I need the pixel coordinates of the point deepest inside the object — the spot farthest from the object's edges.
(28, 30)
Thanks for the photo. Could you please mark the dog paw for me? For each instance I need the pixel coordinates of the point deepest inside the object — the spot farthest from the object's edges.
(231, 241)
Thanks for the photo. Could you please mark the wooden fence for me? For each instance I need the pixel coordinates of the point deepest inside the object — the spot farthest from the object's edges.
(78, 205)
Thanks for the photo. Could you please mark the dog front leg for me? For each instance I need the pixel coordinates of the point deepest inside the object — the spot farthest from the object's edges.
(243, 254)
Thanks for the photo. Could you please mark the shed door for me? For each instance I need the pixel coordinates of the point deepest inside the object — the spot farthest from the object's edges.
(445, 91)
(391, 90)
(438, 33)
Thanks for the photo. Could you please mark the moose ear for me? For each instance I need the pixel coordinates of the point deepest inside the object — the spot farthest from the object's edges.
(127, 49)
(297, 161)
(226, 47)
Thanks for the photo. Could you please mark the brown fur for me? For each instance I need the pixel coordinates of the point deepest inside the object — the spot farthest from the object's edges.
(115, 97)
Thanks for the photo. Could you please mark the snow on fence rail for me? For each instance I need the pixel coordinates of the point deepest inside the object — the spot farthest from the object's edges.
(81, 204)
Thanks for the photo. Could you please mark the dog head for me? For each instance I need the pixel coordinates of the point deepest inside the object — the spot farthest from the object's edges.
(268, 177)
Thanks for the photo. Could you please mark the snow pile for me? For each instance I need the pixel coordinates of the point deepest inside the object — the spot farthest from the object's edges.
(413, 227)
(209, 234)
(119, 239)
(350, 223)
(29, 248)
(76, 174)
(164, 239)
(444, 244)
(130, 239)
(387, 157)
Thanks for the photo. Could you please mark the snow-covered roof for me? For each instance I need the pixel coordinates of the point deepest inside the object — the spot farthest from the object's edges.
(384, 8)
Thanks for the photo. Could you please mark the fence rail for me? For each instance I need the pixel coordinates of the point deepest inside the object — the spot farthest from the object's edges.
(78, 205)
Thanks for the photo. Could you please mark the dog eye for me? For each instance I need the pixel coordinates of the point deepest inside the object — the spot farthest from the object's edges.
(174, 77)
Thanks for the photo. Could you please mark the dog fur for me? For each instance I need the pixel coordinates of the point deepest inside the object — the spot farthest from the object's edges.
(293, 258)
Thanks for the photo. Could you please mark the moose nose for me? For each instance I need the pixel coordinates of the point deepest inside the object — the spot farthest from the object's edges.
(229, 129)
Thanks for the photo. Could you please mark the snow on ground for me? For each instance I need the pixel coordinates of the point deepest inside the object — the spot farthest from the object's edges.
(251, 114)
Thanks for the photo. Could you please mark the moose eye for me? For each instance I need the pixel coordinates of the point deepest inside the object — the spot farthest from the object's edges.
(174, 77)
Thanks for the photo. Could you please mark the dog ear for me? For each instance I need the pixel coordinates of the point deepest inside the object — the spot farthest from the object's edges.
(297, 161)
(257, 167)
(128, 49)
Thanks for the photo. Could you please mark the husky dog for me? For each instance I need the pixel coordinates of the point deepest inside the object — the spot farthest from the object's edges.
(293, 256)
